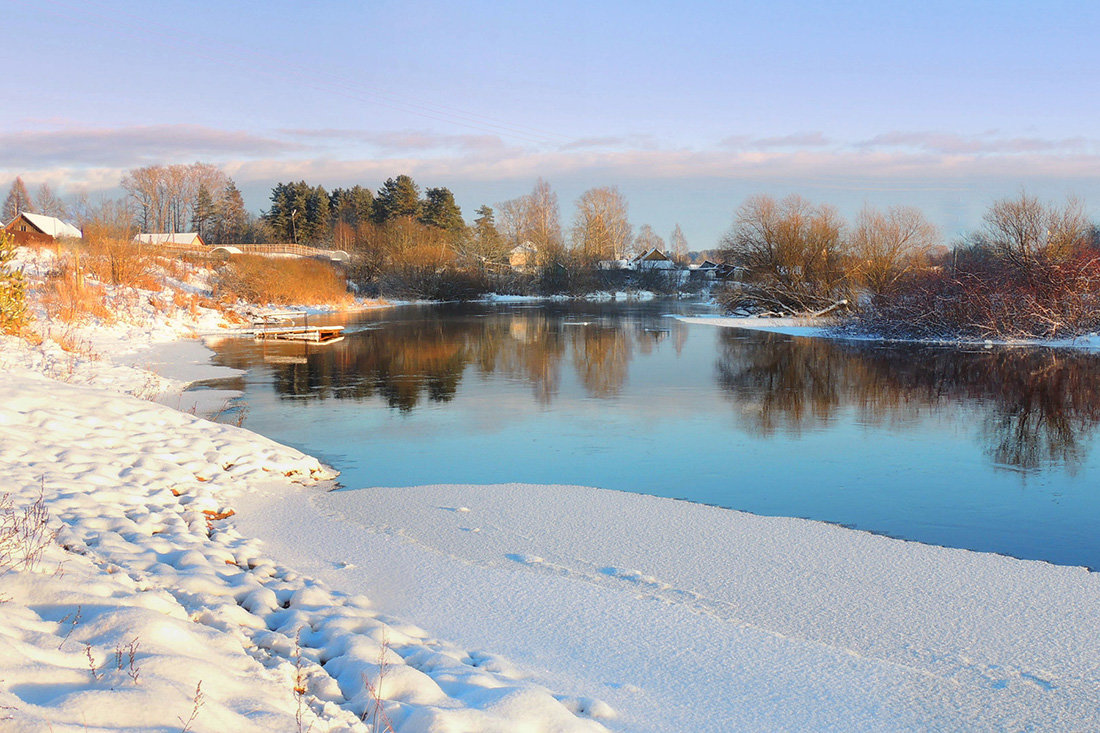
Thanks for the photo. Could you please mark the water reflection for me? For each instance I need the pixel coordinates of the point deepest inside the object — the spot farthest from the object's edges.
(1032, 407)
(1035, 407)
(424, 357)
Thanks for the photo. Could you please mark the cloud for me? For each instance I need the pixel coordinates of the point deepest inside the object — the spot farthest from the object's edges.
(135, 145)
(91, 159)
(645, 142)
(983, 144)
(606, 166)
(390, 142)
(794, 140)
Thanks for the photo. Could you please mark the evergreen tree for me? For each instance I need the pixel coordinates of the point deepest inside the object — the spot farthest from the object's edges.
(230, 217)
(398, 197)
(440, 210)
(17, 202)
(488, 244)
(13, 303)
(316, 229)
(352, 206)
(202, 212)
(286, 216)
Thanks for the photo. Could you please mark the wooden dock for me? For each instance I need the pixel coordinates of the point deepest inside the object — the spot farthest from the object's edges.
(276, 327)
(311, 334)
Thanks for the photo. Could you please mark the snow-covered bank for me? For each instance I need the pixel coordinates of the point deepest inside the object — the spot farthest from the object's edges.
(148, 560)
(495, 608)
(149, 610)
(808, 327)
(688, 617)
(789, 326)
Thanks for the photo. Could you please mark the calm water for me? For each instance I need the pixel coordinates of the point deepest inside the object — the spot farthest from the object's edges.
(988, 449)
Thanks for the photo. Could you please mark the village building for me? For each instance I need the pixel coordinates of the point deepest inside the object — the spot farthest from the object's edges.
(171, 239)
(28, 228)
(653, 259)
(522, 257)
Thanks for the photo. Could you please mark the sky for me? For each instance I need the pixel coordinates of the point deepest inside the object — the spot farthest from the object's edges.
(687, 107)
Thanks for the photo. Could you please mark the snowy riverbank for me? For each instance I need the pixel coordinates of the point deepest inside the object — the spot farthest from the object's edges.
(471, 608)
(809, 327)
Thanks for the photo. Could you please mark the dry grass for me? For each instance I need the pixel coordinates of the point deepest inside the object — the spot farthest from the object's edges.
(122, 263)
(280, 281)
(68, 296)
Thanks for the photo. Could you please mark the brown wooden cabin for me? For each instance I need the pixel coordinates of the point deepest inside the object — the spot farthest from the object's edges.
(28, 228)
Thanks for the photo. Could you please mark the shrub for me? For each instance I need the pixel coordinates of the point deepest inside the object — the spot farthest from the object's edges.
(121, 262)
(13, 301)
(283, 281)
(991, 299)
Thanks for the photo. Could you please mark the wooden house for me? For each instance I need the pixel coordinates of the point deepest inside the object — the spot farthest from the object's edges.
(185, 240)
(653, 259)
(523, 257)
(28, 228)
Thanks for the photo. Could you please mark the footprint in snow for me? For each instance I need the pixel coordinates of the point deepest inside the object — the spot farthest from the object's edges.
(525, 559)
(635, 576)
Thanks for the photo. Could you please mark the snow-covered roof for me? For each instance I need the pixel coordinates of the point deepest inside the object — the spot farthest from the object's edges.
(168, 238)
(52, 225)
(524, 248)
(652, 255)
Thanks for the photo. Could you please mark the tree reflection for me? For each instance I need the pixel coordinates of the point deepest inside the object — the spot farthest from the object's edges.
(601, 356)
(424, 358)
(1035, 406)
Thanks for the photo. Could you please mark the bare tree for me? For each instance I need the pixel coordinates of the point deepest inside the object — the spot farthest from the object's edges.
(793, 252)
(1027, 233)
(647, 239)
(601, 230)
(679, 244)
(46, 202)
(166, 194)
(534, 219)
(885, 246)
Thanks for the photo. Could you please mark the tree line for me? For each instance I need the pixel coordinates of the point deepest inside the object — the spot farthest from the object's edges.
(1032, 269)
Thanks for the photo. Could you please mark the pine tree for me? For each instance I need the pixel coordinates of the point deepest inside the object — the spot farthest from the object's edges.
(17, 202)
(352, 206)
(230, 217)
(440, 210)
(202, 212)
(398, 197)
(316, 229)
(487, 240)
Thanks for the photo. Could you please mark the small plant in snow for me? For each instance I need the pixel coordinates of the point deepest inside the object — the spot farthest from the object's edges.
(96, 676)
(198, 701)
(374, 712)
(125, 659)
(24, 534)
(299, 685)
(75, 618)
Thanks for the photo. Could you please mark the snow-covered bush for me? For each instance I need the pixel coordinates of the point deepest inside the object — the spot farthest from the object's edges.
(13, 304)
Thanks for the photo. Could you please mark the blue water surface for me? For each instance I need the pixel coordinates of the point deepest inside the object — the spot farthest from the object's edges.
(985, 449)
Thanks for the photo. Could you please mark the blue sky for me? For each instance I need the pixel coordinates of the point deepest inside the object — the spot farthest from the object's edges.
(687, 107)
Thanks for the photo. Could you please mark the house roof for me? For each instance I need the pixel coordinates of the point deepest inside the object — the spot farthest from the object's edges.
(168, 238)
(50, 225)
(652, 255)
(525, 248)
